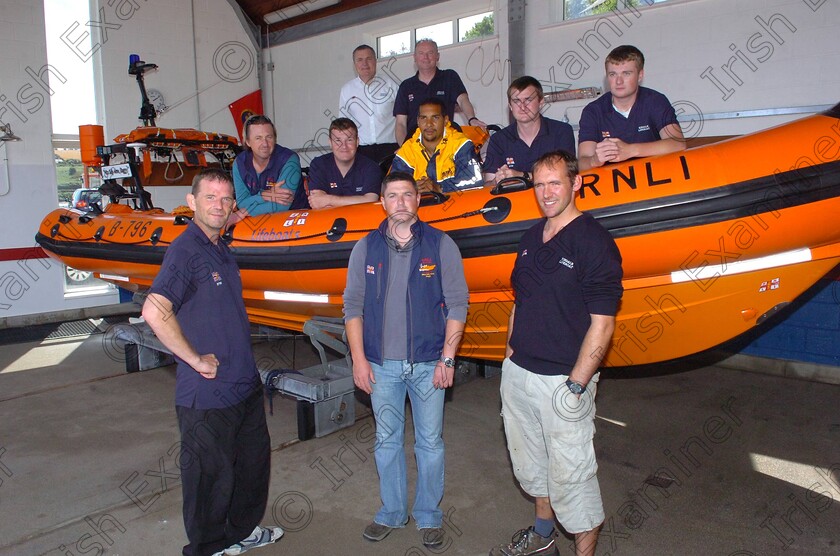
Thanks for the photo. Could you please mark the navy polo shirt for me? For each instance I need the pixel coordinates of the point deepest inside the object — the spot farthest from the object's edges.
(557, 285)
(445, 85)
(202, 282)
(364, 176)
(650, 113)
(506, 147)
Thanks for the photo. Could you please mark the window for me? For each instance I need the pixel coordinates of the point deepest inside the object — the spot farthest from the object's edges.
(441, 33)
(73, 103)
(394, 45)
(476, 27)
(444, 33)
(573, 9)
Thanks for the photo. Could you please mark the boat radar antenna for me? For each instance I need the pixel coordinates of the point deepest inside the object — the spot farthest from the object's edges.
(138, 67)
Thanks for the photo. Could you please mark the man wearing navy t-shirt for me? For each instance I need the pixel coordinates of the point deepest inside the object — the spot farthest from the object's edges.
(343, 177)
(512, 151)
(630, 121)
(430, 82)
(195, 308)
(567, 286)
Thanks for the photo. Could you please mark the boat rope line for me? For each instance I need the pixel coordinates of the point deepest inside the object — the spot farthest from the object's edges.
(105, 240)
(477, 212)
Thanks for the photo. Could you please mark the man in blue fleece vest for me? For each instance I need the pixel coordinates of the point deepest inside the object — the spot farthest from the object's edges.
(266, 176)
(405, 306)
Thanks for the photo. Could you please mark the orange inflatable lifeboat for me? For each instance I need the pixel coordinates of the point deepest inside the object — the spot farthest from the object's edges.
(714, 240)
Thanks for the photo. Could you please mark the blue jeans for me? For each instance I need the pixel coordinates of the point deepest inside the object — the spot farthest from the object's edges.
(393, 379)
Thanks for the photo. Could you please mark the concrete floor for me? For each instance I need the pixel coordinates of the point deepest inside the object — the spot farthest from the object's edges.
(88, 464)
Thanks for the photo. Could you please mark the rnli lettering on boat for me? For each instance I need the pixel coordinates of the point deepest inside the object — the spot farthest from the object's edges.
(648, 174)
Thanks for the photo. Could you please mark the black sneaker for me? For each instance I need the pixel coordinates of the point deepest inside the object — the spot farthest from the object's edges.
(432, 537)
(376, 532)
(526, 542)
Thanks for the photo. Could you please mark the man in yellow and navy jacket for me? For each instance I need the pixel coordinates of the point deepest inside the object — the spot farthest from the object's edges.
(439, 157)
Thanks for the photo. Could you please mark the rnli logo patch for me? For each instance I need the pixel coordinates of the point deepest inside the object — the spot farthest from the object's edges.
(524, 252)
(644, 128)
(369, 269)
(217, 278)
(510, 162)
(410, 97)
(567, 263)
(333, 185)
(427, 268)
(296, 218)
(605, 134)
(771, 285)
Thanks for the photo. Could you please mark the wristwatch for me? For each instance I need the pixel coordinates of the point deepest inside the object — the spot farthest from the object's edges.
(447, 361)
(575, 388)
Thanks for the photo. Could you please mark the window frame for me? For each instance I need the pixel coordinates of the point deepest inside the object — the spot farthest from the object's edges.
(456, 40)
(557, 10)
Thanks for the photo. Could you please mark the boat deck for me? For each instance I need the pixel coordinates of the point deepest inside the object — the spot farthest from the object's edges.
(88, 456)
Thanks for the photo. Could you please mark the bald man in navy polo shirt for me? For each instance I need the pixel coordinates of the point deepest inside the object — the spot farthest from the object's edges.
(430, 82)
(343, 177)
(630, 121)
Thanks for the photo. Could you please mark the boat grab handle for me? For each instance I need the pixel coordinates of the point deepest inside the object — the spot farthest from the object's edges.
(428, 198)
(511, 185)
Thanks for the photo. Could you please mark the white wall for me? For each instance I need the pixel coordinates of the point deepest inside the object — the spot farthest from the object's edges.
(198, 76)
(679, 38)
(682, 38)
(161, 31)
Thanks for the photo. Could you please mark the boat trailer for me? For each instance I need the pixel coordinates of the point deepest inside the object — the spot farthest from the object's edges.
(324, 392)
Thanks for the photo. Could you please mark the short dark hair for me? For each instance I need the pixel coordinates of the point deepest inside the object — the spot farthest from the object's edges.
(555, 158)
(437, 102)
(521, 83)
(363, 47)
(626, 53)
(398, 176)
(209, 174)
(258, 119)
(343, 124)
